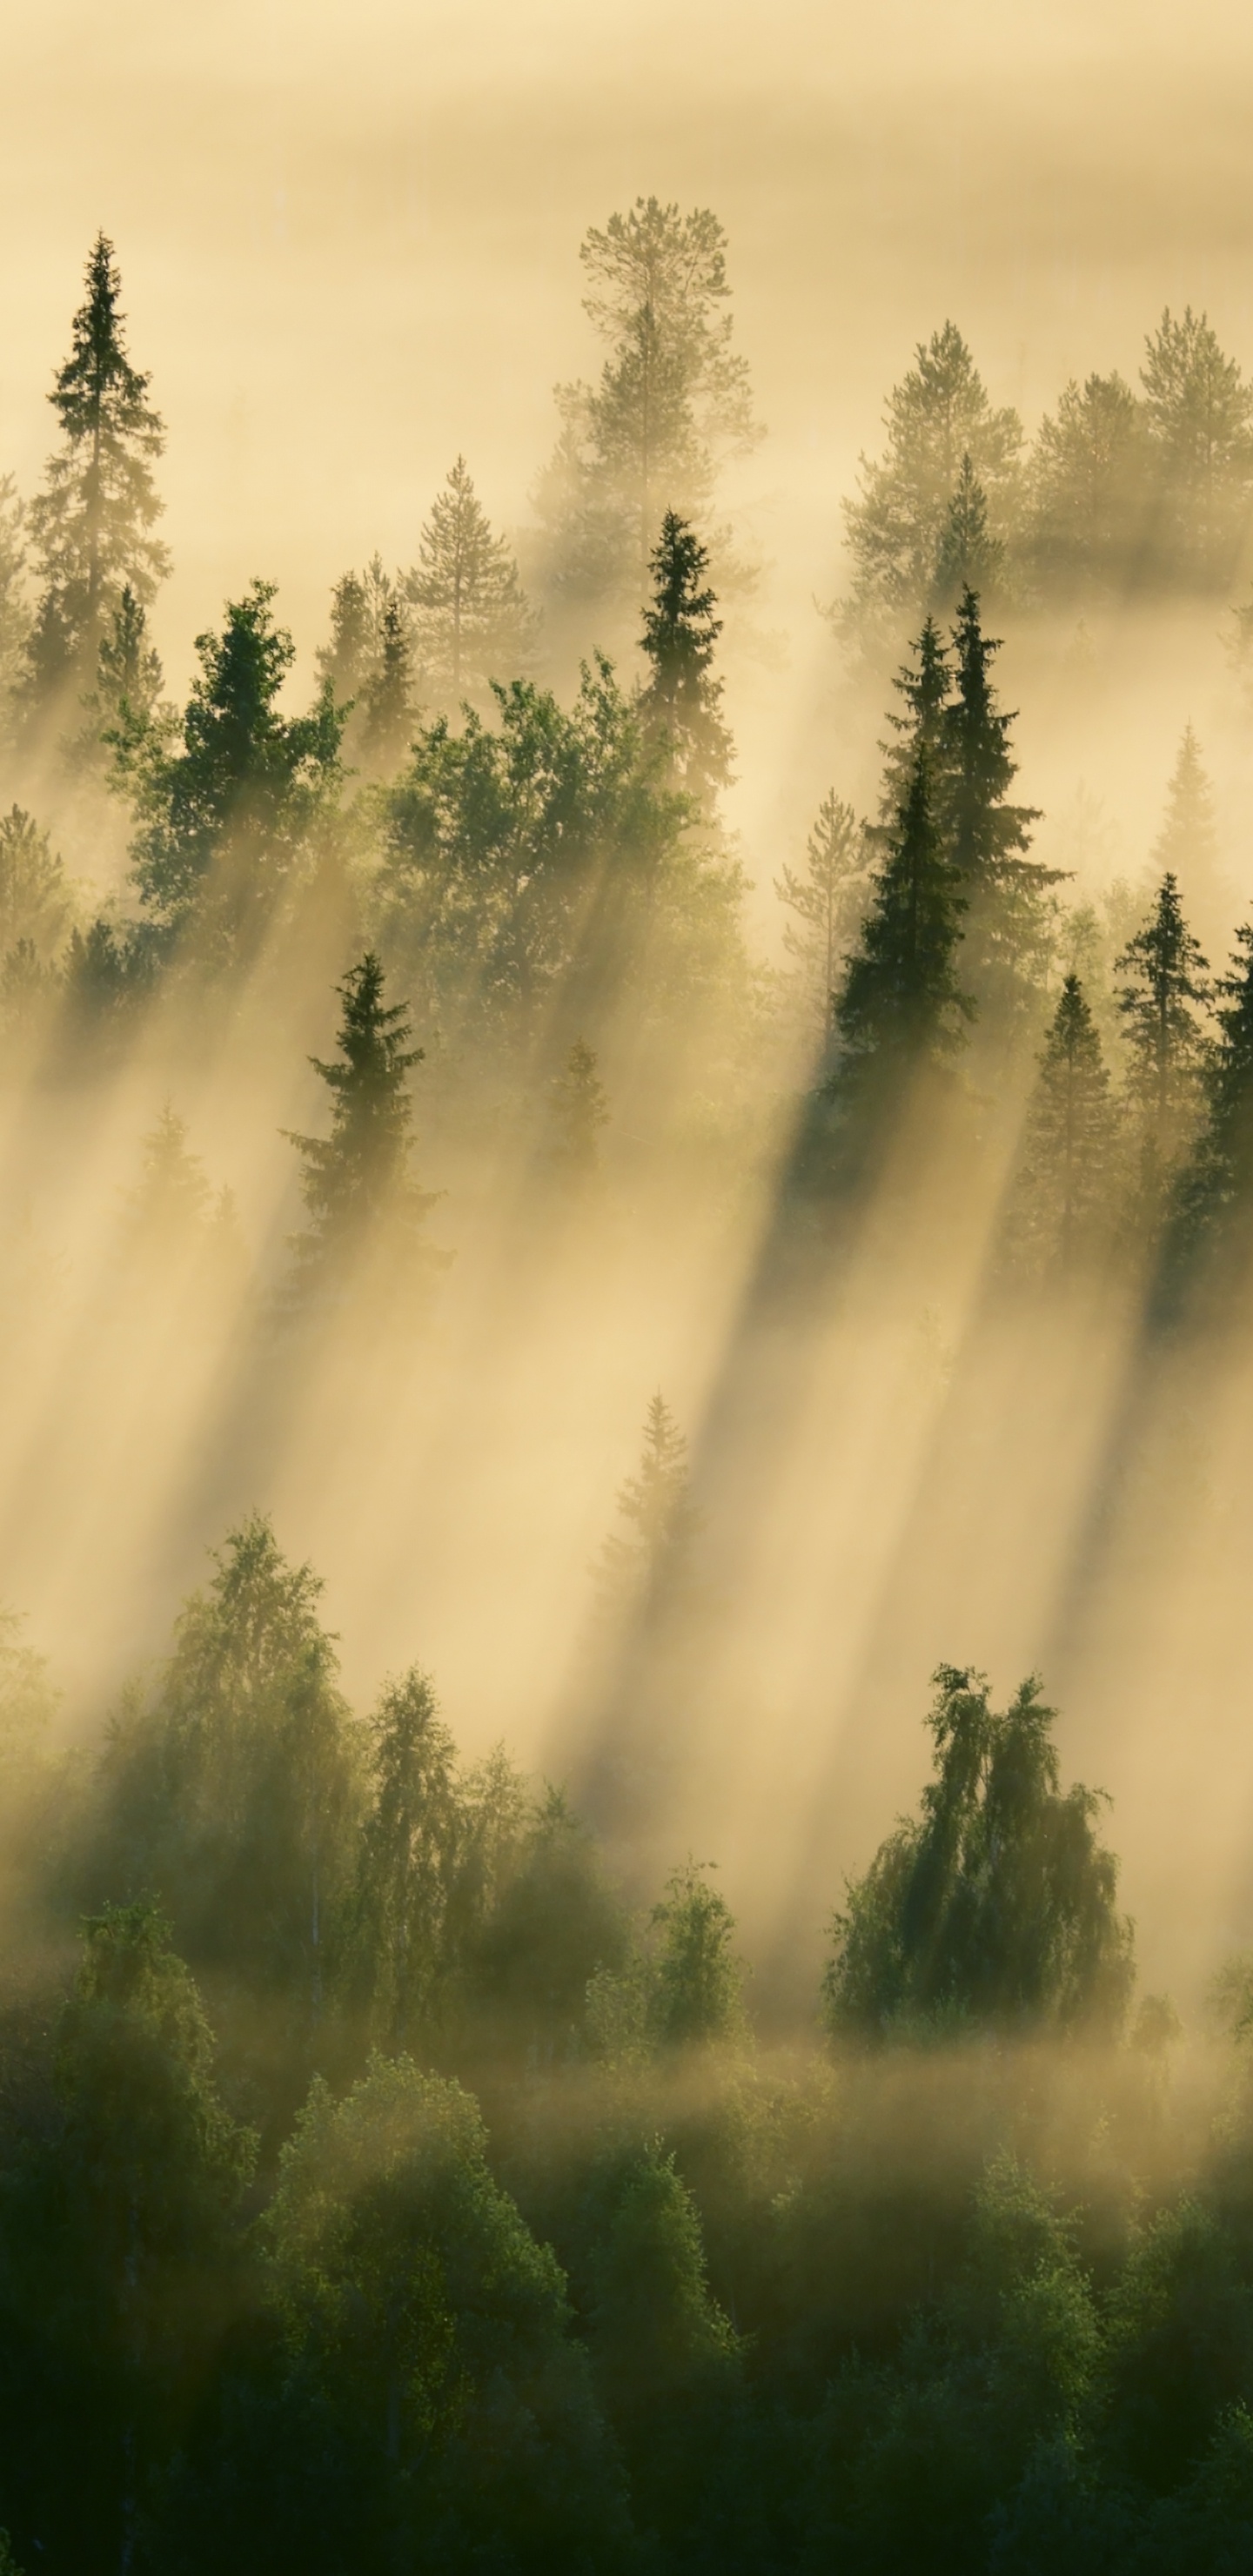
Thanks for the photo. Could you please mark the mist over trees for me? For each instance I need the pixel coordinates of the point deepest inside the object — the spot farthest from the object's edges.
(417, 2157)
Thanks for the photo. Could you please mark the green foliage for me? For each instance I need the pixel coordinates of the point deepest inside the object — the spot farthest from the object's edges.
(997, 1906)
(939, 423)
(368, 669)
(1065, 1200)
(696, 1988)
(225, 818)
(91, 526)
(1088, 490)
(1007, 930)
(901, 1006)
(968, 556)
(472, 620)
(681, 702)
(1165, 991)
(826, 903)
(36, 897)
(363, 1203)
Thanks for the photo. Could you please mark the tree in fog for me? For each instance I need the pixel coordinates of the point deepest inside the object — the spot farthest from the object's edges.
(696, 1985)
(472, 620)
(368, 664)
(555, 1925)
(357, 1183)
(1007, 925)
(173, 1215)
(578, 1109)
(235, 1790)
(827, 903)
(661, 1519)
(397, 1942)
(225, 811)
(1088, 490)
(968, 556)
(938, 420)
(1164, 998)
(673, 399)
(91, 527)
(125, 703)
(681, 701)
(1199, 415)
(15, 615)
(1213, 1203)
(1064, 1200)
(998, 1904)
(1187, 844)
(36, 896)
(901, 1003)
(924, 686)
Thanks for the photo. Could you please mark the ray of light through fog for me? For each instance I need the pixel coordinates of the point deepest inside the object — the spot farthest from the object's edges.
(349, 246)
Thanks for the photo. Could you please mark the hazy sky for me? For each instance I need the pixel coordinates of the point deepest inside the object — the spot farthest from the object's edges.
(349, 236)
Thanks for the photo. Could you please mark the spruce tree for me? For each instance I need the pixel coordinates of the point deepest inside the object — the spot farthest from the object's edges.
(579, 1109)
(1088, 491)
(15, 616)
(472, 620)
(124, 708)
(368, 666)
(681, 700)
(1163, 999)
(1187, 844)
(901, 1004)
(356, 1182)
(1199, 415)
(1007, 925)
(1212, 1216)
(937, 416)
(411, 1849)
(968, 556)
(827, 904)
(656, 1505)
(1064, 1199)
(91, 526)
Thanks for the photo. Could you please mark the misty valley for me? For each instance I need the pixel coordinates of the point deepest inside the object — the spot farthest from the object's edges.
(544, 2023)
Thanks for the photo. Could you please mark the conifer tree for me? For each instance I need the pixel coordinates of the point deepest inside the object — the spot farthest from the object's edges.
(681, 700)
(123, 712)
(901, 1004)
(673, 400)
(580, 1109)
(1199, 414)
(91, 526)
(14, 607)
(1187, 844)
(968, 556)
(1213, 1210)
(356, 1182)
(937, 416)
(389, 706)
(225, 811)
(1064, 1199)
(472, 620)
(827, 902)
(662, 1519)
(1007, 926)
(1166, 992)
(924, 685)
(36, 897)
(1088, 490)
(399, 1952)
(369, 668)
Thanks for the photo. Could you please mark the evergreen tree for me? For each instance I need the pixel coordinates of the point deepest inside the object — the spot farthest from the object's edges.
(368, 667)
(936, 417)
(472, 618)
(673, 399)
(968, 556)
(410, 1854)
(1214, 1193)
(924, 684)
(663, 1521)
(126, 701)
(14, 607)
(900, 1004)
(681, 701)
(91, 526)
(356, 1182)
(1187, 844)
(1008, 930)
(998, 1905)
(36, 897)
(225, 816)
(828, 903)
(1199, 414)
(579, 1109)
(1063, 1203)
(1162, 1000)
(1088, 491)
(389, 707)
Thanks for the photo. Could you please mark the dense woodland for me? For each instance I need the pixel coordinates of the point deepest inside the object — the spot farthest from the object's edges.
(400, 2165)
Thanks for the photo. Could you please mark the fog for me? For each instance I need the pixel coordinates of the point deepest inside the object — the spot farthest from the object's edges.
(349, 246)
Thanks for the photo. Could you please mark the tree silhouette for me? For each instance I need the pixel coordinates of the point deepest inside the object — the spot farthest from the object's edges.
(681, 700)
(356, 1182)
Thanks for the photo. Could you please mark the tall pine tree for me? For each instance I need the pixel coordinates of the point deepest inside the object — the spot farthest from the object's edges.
(360, 1194)
(1163, 999)
(1064, 1200)
(91, 528)
(1007, 925)
(1212, 1216)
(1187, 844)
(472, 620)
(681, 700)
(901, 1004)
(827, 903)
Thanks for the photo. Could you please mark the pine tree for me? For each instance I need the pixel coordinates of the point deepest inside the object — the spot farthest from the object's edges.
(1007, 926)
(356, 1182)
(937, 416)
(1063, 1203)
(91, 526)
(924, 684)
(36, 897)
(399, 1953)
(672, 402)
(1187, 844)
(580, 1109)
(662, 1519)
(123, 712)
(901, 1005)
(15, 616)
(472, 619)
(828, 903)
(1088, 490)
(1213, 1208)
(968, 556)
(681, 701)
(1162, 1001)
(223, 817)
(1199, 414)
(389, 707)
(368, 667)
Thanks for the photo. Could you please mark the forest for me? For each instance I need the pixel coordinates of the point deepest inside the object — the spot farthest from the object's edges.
(527, 2039)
